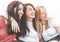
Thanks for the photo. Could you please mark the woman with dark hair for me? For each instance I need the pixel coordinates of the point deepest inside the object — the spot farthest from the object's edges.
(15, 11)
(28, 32)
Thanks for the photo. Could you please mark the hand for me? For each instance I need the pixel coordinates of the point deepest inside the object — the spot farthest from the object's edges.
(58, 29)
(15, 26)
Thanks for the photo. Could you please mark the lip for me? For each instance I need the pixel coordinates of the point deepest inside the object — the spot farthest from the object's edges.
(33, 14)
(20, 16)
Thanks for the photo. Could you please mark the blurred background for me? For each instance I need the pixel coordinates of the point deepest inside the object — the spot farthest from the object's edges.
(52, 6)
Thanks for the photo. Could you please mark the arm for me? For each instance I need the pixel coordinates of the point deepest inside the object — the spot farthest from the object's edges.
(56, 24)
(58, 29)
(15, 26)
(49, 31)
(4, 37)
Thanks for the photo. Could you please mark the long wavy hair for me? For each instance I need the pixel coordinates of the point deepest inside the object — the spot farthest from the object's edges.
(11, 13)
(24, 28)
(38, 26)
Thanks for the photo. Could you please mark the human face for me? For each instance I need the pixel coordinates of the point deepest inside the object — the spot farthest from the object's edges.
(20, 10)
(30, 12)
(43, 15)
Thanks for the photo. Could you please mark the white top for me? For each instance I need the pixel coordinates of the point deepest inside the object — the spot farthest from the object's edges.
(31, 36)
(51, 31)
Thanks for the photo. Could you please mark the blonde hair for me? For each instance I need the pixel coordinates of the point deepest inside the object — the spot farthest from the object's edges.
(38, 26)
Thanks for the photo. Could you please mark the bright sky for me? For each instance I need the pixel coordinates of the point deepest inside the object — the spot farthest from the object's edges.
(52, 6)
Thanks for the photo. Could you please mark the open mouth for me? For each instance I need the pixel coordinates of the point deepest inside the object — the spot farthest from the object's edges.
(33, 14)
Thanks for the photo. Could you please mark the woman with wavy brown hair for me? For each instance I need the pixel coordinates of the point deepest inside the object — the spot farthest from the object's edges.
(28, 32)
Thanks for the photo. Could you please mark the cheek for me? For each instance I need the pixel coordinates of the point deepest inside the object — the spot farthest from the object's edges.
(41, 17)
(28, 14)
(20, 15)
(19, 11)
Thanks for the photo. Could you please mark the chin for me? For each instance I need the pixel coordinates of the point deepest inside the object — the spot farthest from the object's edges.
(33, 17)
(19, 17)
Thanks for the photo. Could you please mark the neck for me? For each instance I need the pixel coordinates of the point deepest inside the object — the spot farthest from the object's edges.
(30, 20)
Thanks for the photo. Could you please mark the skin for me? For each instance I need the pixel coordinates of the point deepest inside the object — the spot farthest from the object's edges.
(15, 26)
(44, 17)
(20, 12)
(30, 13)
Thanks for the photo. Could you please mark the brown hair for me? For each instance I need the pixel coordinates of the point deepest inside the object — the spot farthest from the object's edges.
(24, 28)
(38, 26)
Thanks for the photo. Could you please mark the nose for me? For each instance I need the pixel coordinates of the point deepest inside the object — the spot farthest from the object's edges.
(45, 14)
(33, 11)
(22, 12)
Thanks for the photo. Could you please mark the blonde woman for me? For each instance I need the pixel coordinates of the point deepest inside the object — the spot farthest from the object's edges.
(47, 27)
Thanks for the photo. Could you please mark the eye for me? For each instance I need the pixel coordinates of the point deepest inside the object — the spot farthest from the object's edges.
(20, 9)
(29, 9)
(43, 13)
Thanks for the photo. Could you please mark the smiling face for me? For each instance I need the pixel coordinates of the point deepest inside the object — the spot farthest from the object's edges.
(20, 10)
(43, 15)
(30, 12)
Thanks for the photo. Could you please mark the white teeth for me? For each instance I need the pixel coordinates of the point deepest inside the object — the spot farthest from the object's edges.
(33, 14)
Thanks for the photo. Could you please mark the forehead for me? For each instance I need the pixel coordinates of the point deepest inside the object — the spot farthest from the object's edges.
(42, 9)
(29, 7)
(20, 6)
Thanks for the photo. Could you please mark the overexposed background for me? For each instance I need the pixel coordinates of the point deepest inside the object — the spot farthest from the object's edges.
(52, 6)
